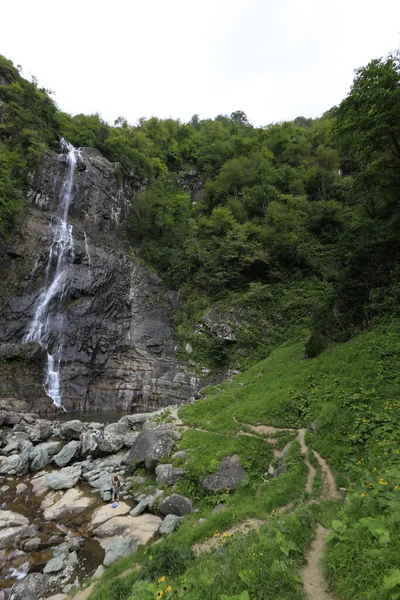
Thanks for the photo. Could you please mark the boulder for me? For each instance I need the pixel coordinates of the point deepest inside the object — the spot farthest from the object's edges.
(151, 444)
(32, 544)
(104, 513)
(176, 505)
(168, 474)
(21, 487)
(130, 438)
(89, 444)
(11, 448)
(99, 572)
(10, 419)
(112, 438)
(71, 430)
(135, 421)
(170, 523)
(142, 528)
(40, 431)
(120, 549)
(140, 507)
(24, 458)
(179, 454)
(57, 563)
(71, 503)
(67, 453)
(9, 465)
(228, 476)
(64, 479)
(51, 447)
(102, 482)
(29, 588)
(12, 519)
(39, 458)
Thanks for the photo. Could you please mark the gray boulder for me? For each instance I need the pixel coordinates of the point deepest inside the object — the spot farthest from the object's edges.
(67, 453)
(40, 431)
(141, 507)
(135, 421)
(151, 444)
(64, 479)
(120, 549)
(112, 438)
(39, 458)
(168, 474)
(130, 438)
(31, 545)
(170, 523)
(71, 430)
(9, 465)
(176, 505)
(89, 444)
(24, 458)
(11, 448)
(52, 447)
(57, 563)
(228, 476)
(29, 588)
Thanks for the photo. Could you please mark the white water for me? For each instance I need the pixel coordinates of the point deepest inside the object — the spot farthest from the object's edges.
(87, 250)
(21, 572)
(47, 324)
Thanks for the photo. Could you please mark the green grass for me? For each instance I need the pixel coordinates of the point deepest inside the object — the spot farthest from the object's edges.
(351, 394)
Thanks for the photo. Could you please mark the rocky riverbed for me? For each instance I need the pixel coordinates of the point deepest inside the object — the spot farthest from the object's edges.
(57, 524)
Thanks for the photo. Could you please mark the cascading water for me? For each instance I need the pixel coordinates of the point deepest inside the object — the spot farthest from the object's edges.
(47, 324)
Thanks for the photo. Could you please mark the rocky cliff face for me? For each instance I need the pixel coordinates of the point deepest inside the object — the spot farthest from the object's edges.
(118, 341)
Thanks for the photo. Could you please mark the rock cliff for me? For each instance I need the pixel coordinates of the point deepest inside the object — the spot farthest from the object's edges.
(118, 341)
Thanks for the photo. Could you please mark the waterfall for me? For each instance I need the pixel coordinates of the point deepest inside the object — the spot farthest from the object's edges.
(47, 324)
(87, 250)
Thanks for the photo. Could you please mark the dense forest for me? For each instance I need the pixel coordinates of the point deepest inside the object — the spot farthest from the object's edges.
(268, 231)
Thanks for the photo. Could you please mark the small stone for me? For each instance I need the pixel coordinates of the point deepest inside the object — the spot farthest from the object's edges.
(170, 523)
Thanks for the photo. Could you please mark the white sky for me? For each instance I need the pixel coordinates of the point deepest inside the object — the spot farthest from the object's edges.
(273, 59)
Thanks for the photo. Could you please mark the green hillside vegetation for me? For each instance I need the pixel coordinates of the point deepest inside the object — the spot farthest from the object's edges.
(351, 394)
(273, 229)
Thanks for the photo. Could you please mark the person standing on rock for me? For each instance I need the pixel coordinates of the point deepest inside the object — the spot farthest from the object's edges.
(116, 489)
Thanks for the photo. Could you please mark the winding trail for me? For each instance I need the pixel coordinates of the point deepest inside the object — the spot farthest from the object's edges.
(312, 573)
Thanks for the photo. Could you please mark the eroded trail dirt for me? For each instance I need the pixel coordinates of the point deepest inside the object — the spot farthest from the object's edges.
(311, 574)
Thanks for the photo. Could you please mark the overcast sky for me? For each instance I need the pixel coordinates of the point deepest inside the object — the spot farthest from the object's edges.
(274, 59)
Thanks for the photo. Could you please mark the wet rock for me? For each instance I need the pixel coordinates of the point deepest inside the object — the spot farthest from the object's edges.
(168, 474)
(29, 588)
(57, 563)
(21, 487)
(120, 549)
(112, 438)
(67, 453)
(103, 483)
(152, 444)
(39, 458)
(176, 505)
(24, 458)
(71, 430)
(10, 419)
(12, 519)
(31, 545)
(170, 523)
(64, 479)
(228, 476)
(71, 503)
(40, 431)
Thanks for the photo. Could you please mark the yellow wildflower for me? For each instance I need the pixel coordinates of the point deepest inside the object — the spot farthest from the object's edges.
(159, 594)
(223, 540)
(168, 588)
(161, 579)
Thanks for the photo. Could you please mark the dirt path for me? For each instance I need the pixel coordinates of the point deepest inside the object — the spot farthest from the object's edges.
(311, 574)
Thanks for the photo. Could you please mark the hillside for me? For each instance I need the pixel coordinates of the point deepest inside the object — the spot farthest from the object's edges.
(350, 396)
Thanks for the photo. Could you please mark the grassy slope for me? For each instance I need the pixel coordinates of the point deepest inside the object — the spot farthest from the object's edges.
(351, 392)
